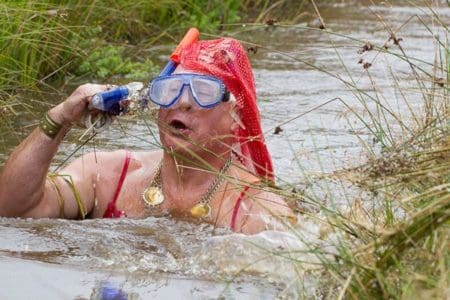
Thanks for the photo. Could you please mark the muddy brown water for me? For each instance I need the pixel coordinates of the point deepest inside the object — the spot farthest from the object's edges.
(161, 258)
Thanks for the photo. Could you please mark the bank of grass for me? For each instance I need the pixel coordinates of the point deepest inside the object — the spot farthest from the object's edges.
(394, 243)
(45, 40)
(400, 249)
(391, 243)
(42, 41)
(403, 251)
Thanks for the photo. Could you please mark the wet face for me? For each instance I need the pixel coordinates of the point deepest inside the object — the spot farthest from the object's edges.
(186, 127)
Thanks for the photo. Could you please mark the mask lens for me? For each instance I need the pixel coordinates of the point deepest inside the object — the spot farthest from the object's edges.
(164, 91)
(207, 91)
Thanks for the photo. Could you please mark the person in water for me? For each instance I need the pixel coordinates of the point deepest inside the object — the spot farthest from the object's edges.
(214, 165)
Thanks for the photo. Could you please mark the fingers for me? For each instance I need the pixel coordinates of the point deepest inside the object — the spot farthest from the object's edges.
(88, 90)
(110, 86)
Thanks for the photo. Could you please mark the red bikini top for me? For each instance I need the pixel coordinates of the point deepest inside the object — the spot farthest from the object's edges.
(113, 212)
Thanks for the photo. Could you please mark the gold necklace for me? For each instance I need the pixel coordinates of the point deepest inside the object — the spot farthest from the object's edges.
(153, 195)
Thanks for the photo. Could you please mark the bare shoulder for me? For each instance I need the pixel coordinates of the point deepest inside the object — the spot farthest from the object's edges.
(148, 157)
(266, 211)
(95, 162)
(264, 197)
(111, 161)
(268, 201)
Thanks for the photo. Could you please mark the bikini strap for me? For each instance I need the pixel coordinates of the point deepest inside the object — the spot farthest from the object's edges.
(237, 205)
(112, 211)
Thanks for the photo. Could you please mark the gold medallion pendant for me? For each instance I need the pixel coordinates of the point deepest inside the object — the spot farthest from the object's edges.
(152, 196)
(201, 210)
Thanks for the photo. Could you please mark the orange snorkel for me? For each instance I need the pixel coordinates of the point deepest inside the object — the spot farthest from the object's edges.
(190, 37)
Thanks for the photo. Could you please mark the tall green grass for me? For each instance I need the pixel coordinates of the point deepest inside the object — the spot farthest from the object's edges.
(394, 243)
(41, 40)
(35, 42)
(45, 40)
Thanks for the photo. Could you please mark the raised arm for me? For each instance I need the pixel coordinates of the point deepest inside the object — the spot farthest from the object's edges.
(25, 189)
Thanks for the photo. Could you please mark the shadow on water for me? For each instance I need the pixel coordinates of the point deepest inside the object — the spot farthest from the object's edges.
(163, 258)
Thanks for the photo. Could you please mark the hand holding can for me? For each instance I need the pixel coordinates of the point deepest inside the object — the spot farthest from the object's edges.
(112, 102)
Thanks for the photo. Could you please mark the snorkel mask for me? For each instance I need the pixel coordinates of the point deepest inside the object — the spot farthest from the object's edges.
(166, 89)
(207, 91)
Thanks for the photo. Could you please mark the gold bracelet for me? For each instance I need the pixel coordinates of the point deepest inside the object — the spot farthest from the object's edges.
(49, 127)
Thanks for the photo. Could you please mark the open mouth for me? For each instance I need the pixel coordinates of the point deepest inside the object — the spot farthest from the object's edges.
(178, 125)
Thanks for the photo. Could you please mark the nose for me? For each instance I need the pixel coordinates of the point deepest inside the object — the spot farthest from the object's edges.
(185, 100)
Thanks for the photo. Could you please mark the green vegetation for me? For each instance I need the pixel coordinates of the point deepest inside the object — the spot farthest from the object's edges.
(35, 43)
(401, 255)
(45, 40)
(102, 63)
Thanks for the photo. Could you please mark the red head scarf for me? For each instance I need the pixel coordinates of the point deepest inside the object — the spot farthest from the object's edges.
(227, 60)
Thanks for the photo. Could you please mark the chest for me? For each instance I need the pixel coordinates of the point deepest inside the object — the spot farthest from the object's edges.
(124, 192)
(128, 198)
(221, 204)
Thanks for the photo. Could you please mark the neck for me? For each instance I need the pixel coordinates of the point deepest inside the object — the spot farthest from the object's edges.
(185, 172)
